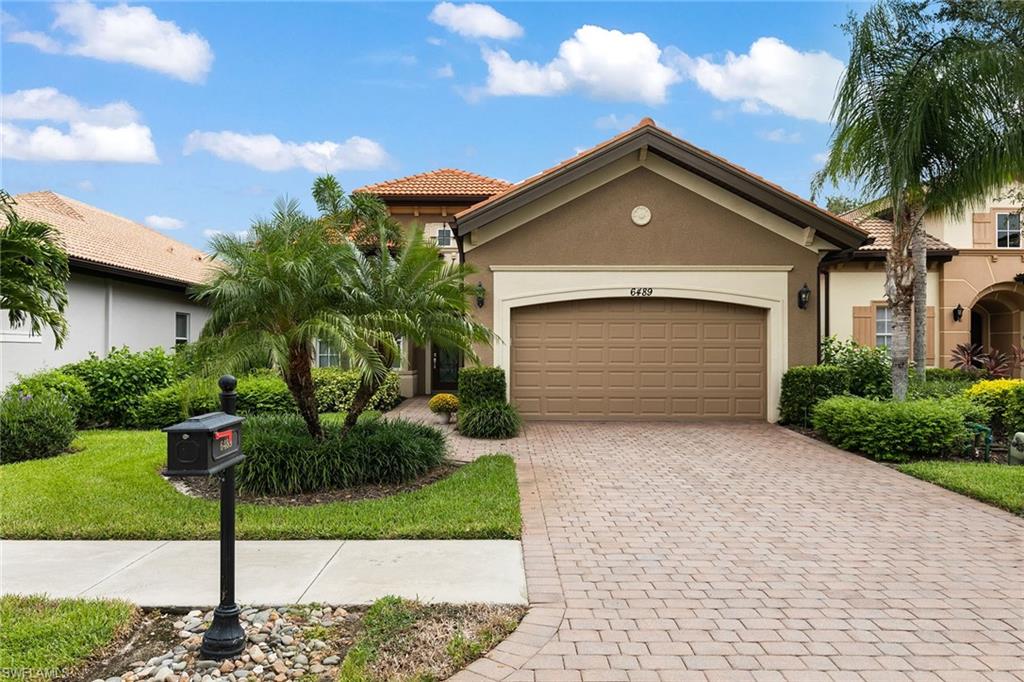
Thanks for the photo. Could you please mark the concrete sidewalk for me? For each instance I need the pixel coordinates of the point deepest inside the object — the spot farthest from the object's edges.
(185, 573)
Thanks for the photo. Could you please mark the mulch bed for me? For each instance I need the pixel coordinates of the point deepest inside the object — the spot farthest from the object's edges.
(209, 489)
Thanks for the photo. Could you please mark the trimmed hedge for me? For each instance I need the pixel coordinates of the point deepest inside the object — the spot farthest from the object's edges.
(937, 388)
(336, 388)
(480, 384)
(489, 419)
(69, 387)
(34, 426)
(1013, 414)
(951, 374)
(118, 381)
(898, 431)
(995, 395)
(804, 387)
(282, 459)
(870, 368)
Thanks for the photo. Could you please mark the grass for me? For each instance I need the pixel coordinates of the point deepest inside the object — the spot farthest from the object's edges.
(42, 638)
(406, 641)
(997, 484)
(111, 489)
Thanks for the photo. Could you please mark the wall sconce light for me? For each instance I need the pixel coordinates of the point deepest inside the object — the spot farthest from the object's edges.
(958, 313)
(480, 294)
(1019, 278)
(803, 297)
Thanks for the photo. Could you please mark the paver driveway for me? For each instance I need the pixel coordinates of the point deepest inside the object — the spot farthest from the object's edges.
(748, 552)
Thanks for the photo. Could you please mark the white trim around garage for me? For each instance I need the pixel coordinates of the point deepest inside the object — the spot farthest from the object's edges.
(755, 286)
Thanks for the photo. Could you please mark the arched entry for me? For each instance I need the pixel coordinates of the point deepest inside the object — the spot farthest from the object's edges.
(997, 317)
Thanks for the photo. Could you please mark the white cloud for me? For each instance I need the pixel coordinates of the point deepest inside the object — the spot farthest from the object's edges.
(162, 222)
(820, 158)
(445, 71)
(780, 135)
(435, 41)
(603, 63)
(616, 122)
(86, 185)
(208, 233)
(771, 75)
(108, 133)
(123, 33)
(474, 20)
(270, 153)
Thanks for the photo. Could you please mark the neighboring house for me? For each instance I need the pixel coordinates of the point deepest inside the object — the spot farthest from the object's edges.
(975, 282)
(644, 278)
(127, 288)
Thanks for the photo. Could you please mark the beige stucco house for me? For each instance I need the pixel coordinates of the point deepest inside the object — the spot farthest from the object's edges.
(644, 278)
(128, 288)
(975, 282)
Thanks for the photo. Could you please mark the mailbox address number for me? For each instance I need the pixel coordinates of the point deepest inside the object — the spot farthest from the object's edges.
(641, 291)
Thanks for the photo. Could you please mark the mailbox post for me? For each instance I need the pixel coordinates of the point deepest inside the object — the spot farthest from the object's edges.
(207, 445)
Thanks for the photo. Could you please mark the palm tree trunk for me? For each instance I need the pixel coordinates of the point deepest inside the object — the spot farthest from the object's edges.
(899, 291)
(298, 375)
(919, 248)
(359, 402)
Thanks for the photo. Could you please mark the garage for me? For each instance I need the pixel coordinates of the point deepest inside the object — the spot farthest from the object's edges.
(642, 358)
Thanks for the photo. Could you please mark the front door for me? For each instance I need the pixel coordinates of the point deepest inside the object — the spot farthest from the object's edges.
(445, 364)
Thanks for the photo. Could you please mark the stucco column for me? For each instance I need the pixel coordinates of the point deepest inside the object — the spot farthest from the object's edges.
(406, 376)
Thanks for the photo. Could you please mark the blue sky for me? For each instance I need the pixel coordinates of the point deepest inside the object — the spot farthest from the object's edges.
(194, 116)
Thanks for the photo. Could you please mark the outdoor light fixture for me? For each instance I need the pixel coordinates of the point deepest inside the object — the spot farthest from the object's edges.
(958, 313)
(480, 294)
(803, 297)
(1019, 278)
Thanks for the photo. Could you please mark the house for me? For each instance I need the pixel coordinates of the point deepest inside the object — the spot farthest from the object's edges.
(127, 288)
(644, 278)
(975, 282)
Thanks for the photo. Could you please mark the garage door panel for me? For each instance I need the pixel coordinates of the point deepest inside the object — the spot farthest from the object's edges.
(638, 359)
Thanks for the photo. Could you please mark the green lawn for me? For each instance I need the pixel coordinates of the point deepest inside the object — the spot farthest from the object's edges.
(111, 489)
(996, 484)
(44, 639)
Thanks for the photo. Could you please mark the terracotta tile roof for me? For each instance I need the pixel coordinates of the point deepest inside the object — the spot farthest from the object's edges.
(881, 230)
(96, 236)
(439, 183)
(646, 122)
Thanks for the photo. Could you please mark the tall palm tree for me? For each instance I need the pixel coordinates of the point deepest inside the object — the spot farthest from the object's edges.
(361, 217)
(34, 275)
(923, 125)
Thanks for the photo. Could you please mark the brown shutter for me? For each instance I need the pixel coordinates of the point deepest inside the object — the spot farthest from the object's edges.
(864, 325)
(984, 231)
(929, 330)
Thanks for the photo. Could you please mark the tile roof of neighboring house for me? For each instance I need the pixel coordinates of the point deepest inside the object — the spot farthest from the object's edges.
(881, 230)
(94, 236)
(647, 124)
(444, 182)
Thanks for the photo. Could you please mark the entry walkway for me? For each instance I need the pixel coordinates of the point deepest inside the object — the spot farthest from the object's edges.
(269, 573)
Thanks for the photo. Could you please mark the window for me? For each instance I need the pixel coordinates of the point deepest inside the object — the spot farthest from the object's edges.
(883, 327)
(327, 356)
(181, 328)
(1008, 231)
(444, 236)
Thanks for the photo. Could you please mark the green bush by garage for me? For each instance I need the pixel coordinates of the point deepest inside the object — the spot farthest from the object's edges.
(804, 387)
(483, 410)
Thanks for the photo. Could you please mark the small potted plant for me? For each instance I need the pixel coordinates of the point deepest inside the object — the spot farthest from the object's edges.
(443, 404)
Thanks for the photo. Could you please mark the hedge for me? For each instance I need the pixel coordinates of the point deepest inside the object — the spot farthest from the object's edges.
(479, 384)
(69, 387)
(33, 426)
(995, 395)
(489, 419)
(1013, 414)
(898, 430)
(806, 386)
(336, 388)
(117, 382)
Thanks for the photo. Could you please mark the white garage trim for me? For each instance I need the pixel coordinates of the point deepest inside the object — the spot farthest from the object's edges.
(755, 286)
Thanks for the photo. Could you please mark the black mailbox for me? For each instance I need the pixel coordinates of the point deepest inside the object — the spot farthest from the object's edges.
(204, 445)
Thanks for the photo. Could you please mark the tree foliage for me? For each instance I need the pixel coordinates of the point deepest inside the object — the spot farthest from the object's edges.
(360, 217)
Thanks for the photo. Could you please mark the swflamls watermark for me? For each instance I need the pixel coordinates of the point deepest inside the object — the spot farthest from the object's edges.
(33, 674)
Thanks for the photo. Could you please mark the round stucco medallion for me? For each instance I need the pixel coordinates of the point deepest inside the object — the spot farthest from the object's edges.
(641, 215)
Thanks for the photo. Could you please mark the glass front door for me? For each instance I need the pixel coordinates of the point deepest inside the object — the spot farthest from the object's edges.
(445, 365)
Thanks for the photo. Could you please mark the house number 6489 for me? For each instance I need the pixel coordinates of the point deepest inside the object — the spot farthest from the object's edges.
(641, 291)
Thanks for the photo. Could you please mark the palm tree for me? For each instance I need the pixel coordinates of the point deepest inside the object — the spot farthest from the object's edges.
(294, 280)
(923, 125)
(359, 216)
(34, 275)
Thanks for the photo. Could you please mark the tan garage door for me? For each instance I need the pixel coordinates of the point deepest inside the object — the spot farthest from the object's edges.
(638, 358)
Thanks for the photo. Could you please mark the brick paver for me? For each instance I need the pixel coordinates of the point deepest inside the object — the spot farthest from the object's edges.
(708, 551)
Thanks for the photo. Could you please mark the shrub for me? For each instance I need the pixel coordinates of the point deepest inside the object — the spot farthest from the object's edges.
(897, 430)
(174, 403)
(489, 419)
(117, 381)
(282, 459)
(263, 394)
(479, 384)
(443, 402)
(369, 416)
(995, 395)
(937, 388)
(870, 368)
(33, 426)
(951, 374)
(335, 388)
(69, 387)
(805, 387)
(1013, 413)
